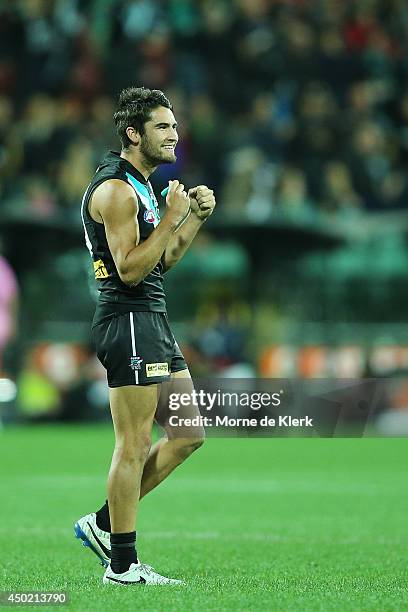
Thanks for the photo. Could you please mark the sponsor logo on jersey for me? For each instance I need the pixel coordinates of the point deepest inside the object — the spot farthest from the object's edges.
(157, 369)
(135, 363)
(149, 216)
(100, 269)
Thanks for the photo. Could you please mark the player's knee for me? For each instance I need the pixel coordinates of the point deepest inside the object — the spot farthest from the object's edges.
(199, 439)
(134, 449)
(187, 446)
(197, 443)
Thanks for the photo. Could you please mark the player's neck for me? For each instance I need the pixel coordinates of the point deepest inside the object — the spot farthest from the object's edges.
(138, 162)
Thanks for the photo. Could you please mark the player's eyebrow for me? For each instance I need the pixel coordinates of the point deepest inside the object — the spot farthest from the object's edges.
(163, 124)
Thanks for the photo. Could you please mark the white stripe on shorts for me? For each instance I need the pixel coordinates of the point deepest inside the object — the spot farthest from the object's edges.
(132, 333)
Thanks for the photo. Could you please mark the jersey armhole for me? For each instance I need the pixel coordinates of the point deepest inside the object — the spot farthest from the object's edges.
(97, 184)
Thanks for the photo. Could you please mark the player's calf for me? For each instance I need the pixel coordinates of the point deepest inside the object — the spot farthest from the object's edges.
(124, 479)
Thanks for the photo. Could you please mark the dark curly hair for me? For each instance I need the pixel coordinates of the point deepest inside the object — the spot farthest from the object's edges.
(134, 107)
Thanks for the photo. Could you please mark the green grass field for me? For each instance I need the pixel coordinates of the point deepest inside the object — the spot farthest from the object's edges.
(267, 524)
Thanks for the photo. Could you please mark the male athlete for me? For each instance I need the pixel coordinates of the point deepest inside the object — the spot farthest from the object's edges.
(131, 247)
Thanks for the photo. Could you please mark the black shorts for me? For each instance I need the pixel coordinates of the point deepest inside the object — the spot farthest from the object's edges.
(137, 348)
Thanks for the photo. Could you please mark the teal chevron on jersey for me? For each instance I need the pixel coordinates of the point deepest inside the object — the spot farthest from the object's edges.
(145, 196)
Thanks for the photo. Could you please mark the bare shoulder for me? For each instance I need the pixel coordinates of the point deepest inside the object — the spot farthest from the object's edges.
(113, 195)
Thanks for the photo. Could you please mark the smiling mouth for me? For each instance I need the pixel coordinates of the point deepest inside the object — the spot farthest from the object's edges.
(169, 147)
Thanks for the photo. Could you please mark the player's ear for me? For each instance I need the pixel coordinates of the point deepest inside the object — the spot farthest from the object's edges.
(133, 136)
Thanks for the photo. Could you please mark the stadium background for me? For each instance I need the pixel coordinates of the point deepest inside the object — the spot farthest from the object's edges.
(295, 112)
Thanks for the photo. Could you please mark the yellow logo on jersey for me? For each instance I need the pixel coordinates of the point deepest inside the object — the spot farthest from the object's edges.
(100, 269)
(157, 369)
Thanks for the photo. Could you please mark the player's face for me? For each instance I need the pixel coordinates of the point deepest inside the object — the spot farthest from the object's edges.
(159, 141)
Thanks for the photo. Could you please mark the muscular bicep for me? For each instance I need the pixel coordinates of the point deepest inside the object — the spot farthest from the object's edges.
(117, 204)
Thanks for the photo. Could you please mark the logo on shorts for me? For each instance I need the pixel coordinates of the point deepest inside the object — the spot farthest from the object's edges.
(148, 216)
(135, 363)
(157, 369)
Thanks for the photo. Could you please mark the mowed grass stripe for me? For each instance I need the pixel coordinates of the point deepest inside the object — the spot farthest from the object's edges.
(268, 524)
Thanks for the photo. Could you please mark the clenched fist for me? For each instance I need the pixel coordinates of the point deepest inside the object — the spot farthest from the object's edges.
(202, 201)
(178, 205)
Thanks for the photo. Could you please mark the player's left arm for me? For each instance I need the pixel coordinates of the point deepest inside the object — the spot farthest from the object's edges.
(202, 203)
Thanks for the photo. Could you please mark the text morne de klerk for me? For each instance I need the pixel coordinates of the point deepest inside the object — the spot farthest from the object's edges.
(227, 421)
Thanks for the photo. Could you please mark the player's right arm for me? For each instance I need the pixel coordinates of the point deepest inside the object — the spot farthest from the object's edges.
(115, 203)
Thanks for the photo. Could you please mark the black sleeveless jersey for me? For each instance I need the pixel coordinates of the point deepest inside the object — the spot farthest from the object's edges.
(148, 295)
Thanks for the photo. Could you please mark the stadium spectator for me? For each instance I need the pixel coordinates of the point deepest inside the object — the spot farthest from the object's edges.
(273, 83)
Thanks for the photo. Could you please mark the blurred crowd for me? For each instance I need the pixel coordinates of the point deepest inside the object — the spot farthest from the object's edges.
(286, 107)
